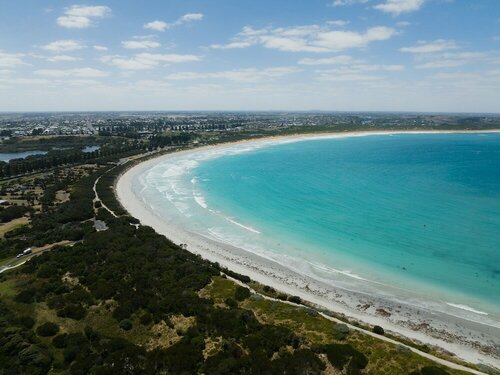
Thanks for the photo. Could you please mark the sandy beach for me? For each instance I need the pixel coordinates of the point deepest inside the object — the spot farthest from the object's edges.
(469, 340)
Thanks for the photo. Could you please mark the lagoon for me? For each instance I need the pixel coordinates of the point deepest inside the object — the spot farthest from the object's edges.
(19, 155)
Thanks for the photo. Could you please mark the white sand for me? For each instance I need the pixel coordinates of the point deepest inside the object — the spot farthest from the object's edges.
(471, 341)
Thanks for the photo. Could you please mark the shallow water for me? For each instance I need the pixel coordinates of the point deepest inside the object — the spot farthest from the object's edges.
(6, 156)
(411, 217)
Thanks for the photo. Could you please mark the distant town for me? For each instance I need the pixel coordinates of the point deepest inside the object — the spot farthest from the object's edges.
(144, 124)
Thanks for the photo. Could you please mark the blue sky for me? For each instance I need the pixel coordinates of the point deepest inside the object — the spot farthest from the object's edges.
(342, 55)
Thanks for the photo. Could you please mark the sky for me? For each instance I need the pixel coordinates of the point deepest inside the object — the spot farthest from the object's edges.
(332, 55)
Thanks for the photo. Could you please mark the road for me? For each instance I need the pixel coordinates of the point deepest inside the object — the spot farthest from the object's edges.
(16, 262)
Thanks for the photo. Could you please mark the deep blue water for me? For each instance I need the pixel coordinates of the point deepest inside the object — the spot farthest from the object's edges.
(409, 210)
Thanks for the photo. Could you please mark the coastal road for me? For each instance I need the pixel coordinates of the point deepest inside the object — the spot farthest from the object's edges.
(433, 358)
(16, 262)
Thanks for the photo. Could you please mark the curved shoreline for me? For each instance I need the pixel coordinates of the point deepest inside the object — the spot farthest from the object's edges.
(451, 333)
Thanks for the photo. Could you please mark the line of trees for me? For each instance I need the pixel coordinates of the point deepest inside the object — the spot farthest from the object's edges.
(56, 158)
(35, 163)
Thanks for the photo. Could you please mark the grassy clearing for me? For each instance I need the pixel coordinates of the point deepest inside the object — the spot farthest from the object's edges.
(62, 196)
(7, 289)
(219, 290)
(13, 224)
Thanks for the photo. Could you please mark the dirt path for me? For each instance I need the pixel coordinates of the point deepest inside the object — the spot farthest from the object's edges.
(96, 198)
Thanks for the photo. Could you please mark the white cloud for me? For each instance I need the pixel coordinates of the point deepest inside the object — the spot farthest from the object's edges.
(466, 80)
(339, 23)
(310, 38)
(158, 25)
(232, 45)
(339, 40)
(396, 7)
(430, 47)
(73, 22)
(143, 61)
(10, 59)
(190, 17)
(237, 75)
(357, 72)
(62, 58)
(337, 3)
(348, 77)
(360, 68)
(63, 45)
(140, 44)
(100, 48)
(80, 16)
(336, 60)
(75, 73)
(25, 81)
(455, 59)
(88, 11)
(440, 64)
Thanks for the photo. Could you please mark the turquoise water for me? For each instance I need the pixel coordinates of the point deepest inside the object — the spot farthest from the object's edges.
(417, 212)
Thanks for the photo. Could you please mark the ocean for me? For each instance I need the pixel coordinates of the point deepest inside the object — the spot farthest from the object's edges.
(411, 217)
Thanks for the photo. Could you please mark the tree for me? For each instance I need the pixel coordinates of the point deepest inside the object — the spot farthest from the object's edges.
(47, 329)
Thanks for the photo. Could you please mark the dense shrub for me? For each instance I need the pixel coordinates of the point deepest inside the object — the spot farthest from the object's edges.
(47, 329)
(243, 278)
(26, 296)
(73, 311)
(340, 331)
(59, 341)
(126, 324)
(27, 321)
(378, 330)
(345, 356)
(282, 296)
(295, 299)
(13, 212)
(231, 302)
(146, 319)
(241, 293)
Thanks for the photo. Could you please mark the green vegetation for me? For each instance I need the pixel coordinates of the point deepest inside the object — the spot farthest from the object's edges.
(47, 143)
(13, 212)
(47, 329)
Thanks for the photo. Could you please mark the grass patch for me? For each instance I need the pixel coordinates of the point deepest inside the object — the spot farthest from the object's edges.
(13, 224)
(219, 290)
(7, 289)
